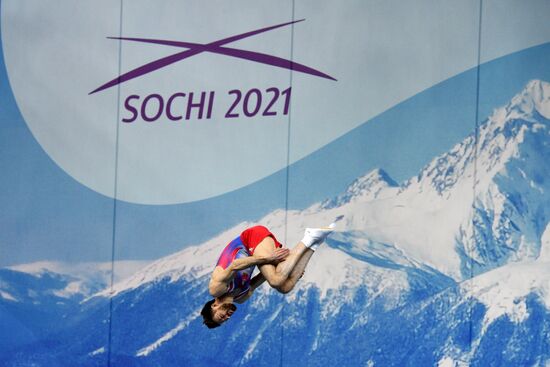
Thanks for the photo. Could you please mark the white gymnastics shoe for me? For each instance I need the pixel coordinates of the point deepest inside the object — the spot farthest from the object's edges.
(313, 237)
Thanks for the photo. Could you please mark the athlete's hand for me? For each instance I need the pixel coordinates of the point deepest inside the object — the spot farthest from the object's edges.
(279, 255)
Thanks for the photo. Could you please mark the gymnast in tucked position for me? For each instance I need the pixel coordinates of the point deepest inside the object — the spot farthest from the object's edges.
(231, 280)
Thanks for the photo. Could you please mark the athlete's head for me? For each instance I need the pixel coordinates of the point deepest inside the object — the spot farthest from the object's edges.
(216, 312)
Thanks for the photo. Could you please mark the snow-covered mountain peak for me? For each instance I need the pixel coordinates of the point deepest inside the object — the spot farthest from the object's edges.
(368, 187)
(499, 139)
(535, 97)
(529, 107)
(482, 204)
(370, 184)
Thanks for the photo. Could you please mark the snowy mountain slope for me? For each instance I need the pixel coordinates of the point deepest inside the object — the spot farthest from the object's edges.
(499, 318)
(163, 298)
(512, 203)
(84, 278)
(160, 318)
(435, 217)
(504, 291)
(507, 314)
(389, 322)
(38, 299)
(191, 263)
(198, 261)
(34, 288)
(33, 305)
(155, 311)
(365, 188)
(491, 320)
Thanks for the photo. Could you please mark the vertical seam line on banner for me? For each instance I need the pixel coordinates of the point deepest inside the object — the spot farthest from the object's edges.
(289, 125)
(113, 235)
(476, 143)
(281, 360)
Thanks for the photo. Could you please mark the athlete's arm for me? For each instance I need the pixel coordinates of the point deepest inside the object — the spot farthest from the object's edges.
(226, 274)
(221, 277)
(246, 262)
(255, 282)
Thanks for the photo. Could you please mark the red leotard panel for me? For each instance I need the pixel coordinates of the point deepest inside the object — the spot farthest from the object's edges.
(254, 235)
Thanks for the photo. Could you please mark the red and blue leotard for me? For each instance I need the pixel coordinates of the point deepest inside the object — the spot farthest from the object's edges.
(243, 246)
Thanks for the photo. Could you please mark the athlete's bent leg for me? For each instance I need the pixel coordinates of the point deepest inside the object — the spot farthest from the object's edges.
(277, 275)
(296, 273)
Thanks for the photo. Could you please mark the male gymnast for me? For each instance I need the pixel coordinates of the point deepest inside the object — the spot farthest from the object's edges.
(257, 246)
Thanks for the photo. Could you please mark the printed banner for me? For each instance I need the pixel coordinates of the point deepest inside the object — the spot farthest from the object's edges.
(156, 155)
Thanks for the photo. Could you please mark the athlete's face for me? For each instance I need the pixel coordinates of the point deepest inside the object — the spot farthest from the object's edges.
(222, 312)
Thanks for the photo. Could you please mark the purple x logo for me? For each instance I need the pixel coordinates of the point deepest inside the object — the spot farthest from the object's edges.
(214, 47)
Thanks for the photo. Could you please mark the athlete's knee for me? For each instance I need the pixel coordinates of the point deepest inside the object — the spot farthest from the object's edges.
(276, 281)
(285, 288)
